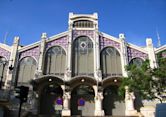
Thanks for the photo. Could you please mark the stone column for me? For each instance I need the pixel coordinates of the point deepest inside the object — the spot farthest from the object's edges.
(124, 59)
(129, 103)
(12, 63)
(66, 102)
(151, 53)
(98, 102)
(69, 57)
(41, 56)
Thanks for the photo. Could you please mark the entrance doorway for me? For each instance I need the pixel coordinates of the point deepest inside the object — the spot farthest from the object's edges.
(86, 93)
(113, 105)
(48, 98)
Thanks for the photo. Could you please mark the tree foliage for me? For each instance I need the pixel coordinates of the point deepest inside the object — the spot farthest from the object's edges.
(146, 82)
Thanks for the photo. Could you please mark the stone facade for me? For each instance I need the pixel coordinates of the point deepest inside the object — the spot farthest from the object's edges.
(67, 81)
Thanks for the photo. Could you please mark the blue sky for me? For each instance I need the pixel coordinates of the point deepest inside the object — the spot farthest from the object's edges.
(138, 19)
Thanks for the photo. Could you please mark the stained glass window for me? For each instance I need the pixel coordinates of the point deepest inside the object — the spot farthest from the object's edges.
(110, 62)
(83, 56)
(26, 70)
(55, 60)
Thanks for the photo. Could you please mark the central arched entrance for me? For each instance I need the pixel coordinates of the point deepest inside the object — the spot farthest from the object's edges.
(82, 88)
(86, 93)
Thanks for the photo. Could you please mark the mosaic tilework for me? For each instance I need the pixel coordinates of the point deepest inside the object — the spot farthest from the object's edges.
(133, 53)
(34, 52)
(63, 41)
(104, 42)
(77, 33)
(4, 53)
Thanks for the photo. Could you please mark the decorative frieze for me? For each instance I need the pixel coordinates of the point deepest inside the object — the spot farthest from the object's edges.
(77, 33)
(63, 41)
(4, 53)
(133, 53)
(104, 42)
(34, 52)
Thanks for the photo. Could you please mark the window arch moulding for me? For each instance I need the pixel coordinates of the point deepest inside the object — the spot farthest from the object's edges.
(4, 53)
(63, 42)
(133, 53)
(104, 42)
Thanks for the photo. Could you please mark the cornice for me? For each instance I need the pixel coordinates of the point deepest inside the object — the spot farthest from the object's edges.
(27, 47)
(109, 37)
(157, 50)
(5, 47)
(57, 36)
(21, 49)
(142, 49)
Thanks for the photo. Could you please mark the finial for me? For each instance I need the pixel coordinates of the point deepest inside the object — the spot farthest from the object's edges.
(44, 35)
(16, 39)
(149, 42)
(122, 36)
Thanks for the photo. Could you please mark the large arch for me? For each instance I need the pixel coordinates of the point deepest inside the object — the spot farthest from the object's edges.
(48, 88)
(110, 62)
(55, 61)
(83, 57)
(86, 93)
(82, 88)
(3, 69)
(26, 70)
(113, 104)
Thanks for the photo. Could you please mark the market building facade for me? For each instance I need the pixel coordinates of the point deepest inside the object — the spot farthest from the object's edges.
(76, 72)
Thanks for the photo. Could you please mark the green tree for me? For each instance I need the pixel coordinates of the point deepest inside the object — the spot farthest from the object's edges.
(146, 82)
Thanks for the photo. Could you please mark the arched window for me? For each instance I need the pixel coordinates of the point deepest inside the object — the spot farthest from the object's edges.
(83, 56)
(136, 61)
(110, 62)
(26, 70)
(55, 60)
(3, 69)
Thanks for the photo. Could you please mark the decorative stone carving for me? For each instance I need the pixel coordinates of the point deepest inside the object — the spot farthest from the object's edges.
(66, 100)
(98, 104)
(99, 96)
(68, 72)
(99, 74)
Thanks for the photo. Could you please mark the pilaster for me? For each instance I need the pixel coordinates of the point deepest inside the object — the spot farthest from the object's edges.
(12, 62)
(97, 70)
(151, 53)
(124, 60)
(41, 56)
(69, 57)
